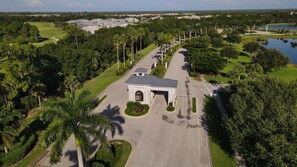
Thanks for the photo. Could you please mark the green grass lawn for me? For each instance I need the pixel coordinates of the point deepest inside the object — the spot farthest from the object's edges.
(251, 38)
(117, 156)
(233, 62)
(50, 31)
(125, 152)
(230, 65)
(99, 83)
(220, 148)
(287, 74)
(31, 157)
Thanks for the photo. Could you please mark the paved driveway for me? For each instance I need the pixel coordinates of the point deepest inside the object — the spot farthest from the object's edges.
(160, 138)
(174, 139)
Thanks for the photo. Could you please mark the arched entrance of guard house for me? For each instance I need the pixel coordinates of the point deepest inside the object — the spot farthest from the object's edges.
(138, 96)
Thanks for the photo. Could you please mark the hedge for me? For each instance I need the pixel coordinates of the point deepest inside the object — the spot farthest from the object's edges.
(170, 107)
(19, 151)
(136, 109)
(194, 105)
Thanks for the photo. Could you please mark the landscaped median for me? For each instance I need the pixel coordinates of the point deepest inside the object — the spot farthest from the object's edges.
(135, 109)
(115, 154)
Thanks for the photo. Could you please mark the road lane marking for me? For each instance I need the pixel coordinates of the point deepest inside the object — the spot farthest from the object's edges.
(207, 88)
(152, 160)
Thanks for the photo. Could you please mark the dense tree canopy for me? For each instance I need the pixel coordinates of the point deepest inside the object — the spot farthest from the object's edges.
(251, 47)
(262, 122)
(229, 52)
(270, 59)
(234, 37)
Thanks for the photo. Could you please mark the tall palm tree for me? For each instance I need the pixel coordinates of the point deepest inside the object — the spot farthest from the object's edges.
(132, 33)
(137, 36)
(141, 34)
(117, 42)
(38, 90)
(123, 42)
(161, 40)
(10, 120)
(73, 115)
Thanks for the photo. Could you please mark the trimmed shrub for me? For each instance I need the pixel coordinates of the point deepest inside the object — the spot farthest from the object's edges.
(194, 105)
(136, 109)
(20, 150)
(170, 107)
(122, 71)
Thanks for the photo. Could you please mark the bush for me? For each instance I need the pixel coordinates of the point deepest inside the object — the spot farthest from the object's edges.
(29, 102)
(136, 109)
(20, 150)
(121, 71)
(194, 105)
(159, 71)
(170, 107)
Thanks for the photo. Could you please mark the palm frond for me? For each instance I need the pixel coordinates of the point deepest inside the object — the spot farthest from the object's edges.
(7, 140)
(84, 141)
(50, 134)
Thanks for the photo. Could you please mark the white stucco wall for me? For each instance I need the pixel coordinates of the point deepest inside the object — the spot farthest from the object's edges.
(148, 95)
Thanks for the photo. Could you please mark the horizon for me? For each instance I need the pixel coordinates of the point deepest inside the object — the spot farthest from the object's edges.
(154, 11)
(142, 6)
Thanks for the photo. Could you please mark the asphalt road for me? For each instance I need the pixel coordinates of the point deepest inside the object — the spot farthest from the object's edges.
(174, 139)
(160, 138)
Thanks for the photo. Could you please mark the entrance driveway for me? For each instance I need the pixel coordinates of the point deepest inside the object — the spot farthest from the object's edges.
(161, 138)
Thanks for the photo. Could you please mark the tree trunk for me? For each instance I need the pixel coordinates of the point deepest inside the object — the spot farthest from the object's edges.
(118, 59)
(190, 35)
(162, 52)
(79, 157)
(5, 149)
(124, 53)
(4, 96)
(140, 40)
(76, 41)
(39, 101)
(132, 51)
(184, 36)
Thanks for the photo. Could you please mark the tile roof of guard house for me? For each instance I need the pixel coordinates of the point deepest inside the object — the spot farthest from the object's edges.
(150, 80)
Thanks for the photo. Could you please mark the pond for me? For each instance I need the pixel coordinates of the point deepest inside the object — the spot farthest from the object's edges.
(278, 27)
(285, 46)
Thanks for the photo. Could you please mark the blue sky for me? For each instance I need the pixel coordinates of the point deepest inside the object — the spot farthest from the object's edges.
(141, 5)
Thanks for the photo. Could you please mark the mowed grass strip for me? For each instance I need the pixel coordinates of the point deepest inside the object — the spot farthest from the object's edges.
(99, 83)
(221, 152)
(233, 62)
(287, 74)
(50, 31)
(121, 159)
(31, 157)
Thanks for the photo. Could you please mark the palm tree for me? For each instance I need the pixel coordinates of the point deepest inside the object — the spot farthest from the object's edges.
(73, 115)
(117, 42)
(38, 90)
(161, 40)
(131, 33)
(123, 42)
(10, 120)
(137, 36)
(141, 34)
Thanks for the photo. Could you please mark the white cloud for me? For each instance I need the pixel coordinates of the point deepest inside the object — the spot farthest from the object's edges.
(79, 5)
(33, 3)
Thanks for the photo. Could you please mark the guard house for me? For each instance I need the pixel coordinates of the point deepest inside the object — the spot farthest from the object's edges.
(143, 87)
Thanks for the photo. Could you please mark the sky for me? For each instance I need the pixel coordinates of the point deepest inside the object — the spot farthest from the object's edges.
(140, 5)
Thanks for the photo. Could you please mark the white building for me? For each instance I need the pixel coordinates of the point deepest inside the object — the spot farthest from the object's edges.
(143, 87)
